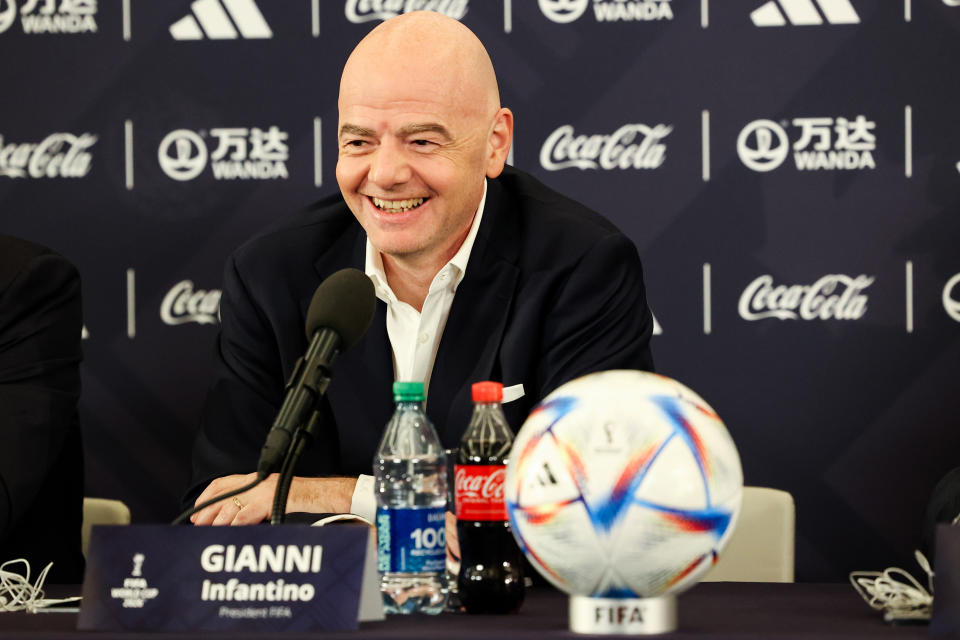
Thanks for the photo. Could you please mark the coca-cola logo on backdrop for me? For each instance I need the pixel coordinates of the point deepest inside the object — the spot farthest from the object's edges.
(59, 155)
(632, 146)
(183, 304)
(832, 297)
(359, 11)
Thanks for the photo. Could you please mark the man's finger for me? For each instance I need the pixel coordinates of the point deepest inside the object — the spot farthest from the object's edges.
(211, 514)
(250, 514)
(206, 516)
(227, 513)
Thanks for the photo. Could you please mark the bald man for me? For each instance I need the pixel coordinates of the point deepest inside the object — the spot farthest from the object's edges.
(481, 273)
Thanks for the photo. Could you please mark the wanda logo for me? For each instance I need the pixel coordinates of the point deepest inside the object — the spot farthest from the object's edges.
(482, 485)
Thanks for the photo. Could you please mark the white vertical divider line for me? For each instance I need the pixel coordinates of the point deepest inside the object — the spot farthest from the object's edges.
(317, 159)
(131, 303)
(909, 297)
(704, 14)
(908, 141)
(126, 20)
(707, 311)
(907, 11)
(705, 126)
(128, 152)
(507, 16)
(315, 18)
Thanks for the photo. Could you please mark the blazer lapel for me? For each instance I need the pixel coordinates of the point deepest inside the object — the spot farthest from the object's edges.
(362, 409)
(471, 340)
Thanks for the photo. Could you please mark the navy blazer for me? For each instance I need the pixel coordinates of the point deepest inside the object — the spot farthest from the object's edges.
(552, 291)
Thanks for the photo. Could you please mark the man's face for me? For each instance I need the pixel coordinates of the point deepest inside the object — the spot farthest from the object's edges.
(413, 153)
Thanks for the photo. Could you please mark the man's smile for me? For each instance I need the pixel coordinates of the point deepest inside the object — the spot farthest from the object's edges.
(397, 206)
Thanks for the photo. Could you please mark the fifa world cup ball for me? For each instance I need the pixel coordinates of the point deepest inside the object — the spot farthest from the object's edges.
(623, 484)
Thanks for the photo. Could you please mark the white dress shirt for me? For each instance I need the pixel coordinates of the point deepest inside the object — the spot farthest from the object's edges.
(414, 335)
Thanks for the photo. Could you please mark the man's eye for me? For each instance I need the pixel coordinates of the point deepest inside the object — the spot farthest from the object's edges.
(422, 143)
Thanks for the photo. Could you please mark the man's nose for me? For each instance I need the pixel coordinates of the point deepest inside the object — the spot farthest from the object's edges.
(389, 167)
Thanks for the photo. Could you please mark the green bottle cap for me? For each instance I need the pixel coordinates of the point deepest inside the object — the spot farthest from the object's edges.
(408, 392)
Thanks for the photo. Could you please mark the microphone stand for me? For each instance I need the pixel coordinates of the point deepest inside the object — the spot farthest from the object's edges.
(340, 311)
(301, 439)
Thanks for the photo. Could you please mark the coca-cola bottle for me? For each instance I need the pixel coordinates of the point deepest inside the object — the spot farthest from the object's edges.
(491, 564)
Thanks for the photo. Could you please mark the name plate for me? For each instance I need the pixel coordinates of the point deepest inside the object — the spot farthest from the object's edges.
(260, 578)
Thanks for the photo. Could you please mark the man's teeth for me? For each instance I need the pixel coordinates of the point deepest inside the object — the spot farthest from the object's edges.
(398, 205)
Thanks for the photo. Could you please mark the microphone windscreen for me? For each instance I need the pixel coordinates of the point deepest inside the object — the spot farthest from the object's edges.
(344, 302)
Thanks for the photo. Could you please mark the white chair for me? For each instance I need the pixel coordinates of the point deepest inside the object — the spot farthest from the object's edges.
(762, 545)
(101, 511)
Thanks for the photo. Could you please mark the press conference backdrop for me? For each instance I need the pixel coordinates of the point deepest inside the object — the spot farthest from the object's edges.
(788, 169)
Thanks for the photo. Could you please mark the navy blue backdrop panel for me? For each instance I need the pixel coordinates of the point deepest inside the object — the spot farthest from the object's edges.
(789, 170)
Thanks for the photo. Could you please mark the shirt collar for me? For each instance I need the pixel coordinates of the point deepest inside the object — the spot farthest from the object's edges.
(373, 264)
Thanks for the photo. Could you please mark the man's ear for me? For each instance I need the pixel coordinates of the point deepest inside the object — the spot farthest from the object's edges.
(498, 144)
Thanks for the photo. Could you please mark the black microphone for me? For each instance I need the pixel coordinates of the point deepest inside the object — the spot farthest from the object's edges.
(339, 314)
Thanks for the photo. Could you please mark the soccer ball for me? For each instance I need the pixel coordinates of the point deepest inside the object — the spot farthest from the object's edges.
(623, 484)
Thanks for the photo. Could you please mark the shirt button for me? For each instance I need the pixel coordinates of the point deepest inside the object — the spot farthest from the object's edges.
(424, 337)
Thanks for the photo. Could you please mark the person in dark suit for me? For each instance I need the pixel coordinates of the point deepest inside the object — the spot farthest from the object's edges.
(41, 460)
(481, 272)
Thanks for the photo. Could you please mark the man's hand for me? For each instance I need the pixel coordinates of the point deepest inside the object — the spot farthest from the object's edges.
(315, 495)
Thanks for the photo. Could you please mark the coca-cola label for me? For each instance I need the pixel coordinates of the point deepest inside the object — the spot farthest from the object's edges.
(632, 146)
(59, 155)
(833, 297)
(478, 492)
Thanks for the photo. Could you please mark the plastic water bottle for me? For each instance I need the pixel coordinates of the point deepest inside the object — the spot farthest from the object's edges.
(411, 488)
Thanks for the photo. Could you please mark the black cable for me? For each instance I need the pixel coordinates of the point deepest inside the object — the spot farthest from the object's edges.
(279, 511)
(189, 512)
(302, 438)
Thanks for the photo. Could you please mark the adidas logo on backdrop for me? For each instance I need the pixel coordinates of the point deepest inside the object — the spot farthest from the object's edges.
(222, 20)
(779, 13)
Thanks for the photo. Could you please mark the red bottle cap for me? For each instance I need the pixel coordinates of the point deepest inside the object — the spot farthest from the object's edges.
(487, 391)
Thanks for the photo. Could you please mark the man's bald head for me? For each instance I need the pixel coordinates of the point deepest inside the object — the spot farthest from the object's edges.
(420, 129)
(425, 47)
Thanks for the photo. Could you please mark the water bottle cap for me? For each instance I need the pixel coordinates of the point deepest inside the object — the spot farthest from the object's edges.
(487, 391)
(408, 392)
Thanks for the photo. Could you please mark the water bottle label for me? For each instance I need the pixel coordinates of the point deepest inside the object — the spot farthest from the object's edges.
(478, 492)
(411, 540)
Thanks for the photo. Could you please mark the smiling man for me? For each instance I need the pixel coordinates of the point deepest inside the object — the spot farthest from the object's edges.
(480, 271)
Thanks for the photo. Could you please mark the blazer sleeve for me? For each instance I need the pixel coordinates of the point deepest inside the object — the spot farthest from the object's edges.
(40, 353)
(245, 393)
(599, 319)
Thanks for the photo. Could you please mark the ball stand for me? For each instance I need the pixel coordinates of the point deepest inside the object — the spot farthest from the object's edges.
(623, 616)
